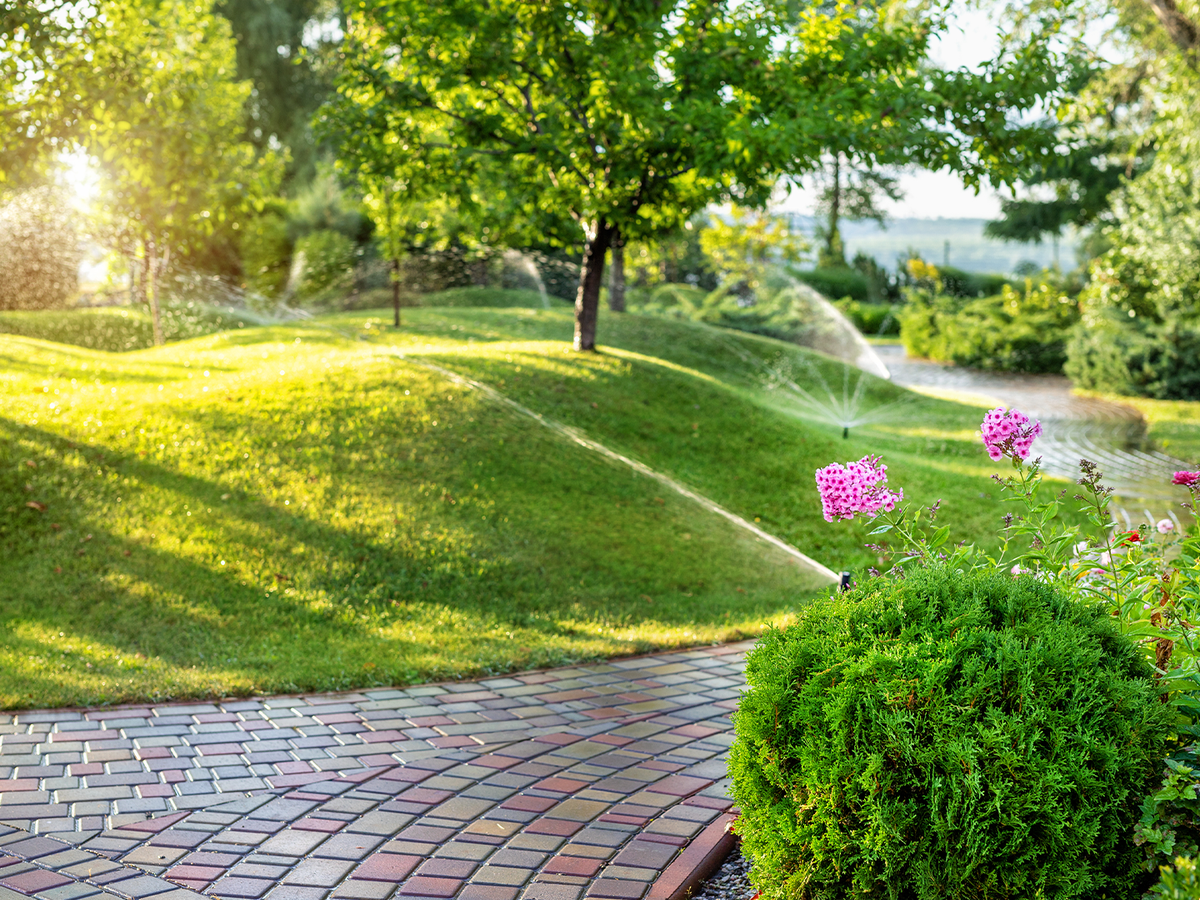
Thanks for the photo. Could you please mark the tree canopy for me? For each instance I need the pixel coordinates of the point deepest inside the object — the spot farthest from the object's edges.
(590, 119)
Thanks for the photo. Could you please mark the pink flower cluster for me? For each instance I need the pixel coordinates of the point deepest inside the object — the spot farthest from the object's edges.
(857, 487)
(1009, 432)
(1186, 478)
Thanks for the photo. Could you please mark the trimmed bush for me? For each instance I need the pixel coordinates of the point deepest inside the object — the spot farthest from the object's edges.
(872, 319)
(838, 282)
(946, 736)
(960, 283)
(117, 329)
(1012, 332)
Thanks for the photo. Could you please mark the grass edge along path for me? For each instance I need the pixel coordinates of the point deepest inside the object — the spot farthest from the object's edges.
(155, 495)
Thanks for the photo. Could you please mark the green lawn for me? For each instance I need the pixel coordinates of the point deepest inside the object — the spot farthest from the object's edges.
(300, 508)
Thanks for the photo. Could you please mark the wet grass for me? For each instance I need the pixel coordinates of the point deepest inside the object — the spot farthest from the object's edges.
(301, 508)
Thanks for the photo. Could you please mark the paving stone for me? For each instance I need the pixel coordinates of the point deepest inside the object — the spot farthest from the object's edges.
(293, 843)
(319, 872)
(364, 890)
(390, 867)
(141, 886)
(241, 887)
(540, 843)
(572, 865)
(32, 881)
(542, 890)
(424, 886)
(512, 876)
(153, 855)
(487, 892)
(74, 890)
(296, 892)
(446, 868)
(349, 846)
(613, 889)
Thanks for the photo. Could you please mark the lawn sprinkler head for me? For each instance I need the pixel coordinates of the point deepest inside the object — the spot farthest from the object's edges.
(846, 583)
(845, 432)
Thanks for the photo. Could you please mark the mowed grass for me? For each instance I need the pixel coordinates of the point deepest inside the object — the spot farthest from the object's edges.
(312, 508)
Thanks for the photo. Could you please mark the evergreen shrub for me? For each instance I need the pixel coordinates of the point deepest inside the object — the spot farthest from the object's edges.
(872, 319)
(837, 282)
(947, 735)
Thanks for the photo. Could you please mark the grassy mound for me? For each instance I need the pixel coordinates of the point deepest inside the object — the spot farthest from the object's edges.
(118, 329)
(300, 508)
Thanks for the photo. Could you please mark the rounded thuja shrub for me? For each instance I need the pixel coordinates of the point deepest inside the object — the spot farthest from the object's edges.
(946, 736)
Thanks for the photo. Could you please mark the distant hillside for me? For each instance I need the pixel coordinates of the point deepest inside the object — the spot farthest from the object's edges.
(969, 249)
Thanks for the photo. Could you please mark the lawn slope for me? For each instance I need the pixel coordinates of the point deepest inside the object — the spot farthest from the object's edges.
(312, 507)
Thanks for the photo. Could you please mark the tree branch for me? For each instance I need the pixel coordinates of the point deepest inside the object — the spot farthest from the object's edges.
(1180, 28)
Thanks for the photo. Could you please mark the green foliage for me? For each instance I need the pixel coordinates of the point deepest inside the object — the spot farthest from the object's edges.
(487, 297)
(1083, 174)
(175, 171)
(326, 261)
(872, 319)
(1012, 332)
(1141, 311)
(1111, 354)
(779, 308)
(1180, 881)
(741, 250)
(119, 329)
(265, 248)
(959, 283)
(946, 735)
(674, 257)
(837, 283)
(39, 251)
(289, 80)
(1170, 823)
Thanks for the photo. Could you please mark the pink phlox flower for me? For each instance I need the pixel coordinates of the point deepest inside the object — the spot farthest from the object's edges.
(1186, 478)
(1165, 526)
(856, 487)
(1008, 432)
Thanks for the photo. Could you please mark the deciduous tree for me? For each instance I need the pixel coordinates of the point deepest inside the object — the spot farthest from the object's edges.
(168, 134)
(592, 118)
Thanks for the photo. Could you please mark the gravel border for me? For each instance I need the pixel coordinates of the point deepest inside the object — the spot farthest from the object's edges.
(730, 882)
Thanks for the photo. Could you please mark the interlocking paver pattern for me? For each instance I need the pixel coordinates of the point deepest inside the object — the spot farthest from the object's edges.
(583, 781)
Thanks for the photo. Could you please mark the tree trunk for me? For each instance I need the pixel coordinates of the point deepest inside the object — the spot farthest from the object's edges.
(591, 277)
(1179, 28)
(834, 254)
(616, 284)
(151, 286)
(396, 290)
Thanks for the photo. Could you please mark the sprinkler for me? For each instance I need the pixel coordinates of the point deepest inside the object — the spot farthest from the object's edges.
(845, 432)
(846, 582)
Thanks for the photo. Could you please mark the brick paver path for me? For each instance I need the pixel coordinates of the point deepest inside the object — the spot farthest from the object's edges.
(586, 781)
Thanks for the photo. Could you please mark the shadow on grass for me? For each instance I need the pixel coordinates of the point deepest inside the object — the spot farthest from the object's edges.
(366, 553)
